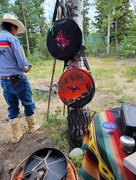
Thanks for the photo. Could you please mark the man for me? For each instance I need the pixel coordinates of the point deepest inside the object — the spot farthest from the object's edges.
(14, 83)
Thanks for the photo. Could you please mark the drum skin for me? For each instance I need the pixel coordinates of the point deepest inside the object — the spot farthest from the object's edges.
(76, 87)
(49, 159)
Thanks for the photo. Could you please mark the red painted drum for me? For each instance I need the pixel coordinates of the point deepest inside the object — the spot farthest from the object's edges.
(76, 87)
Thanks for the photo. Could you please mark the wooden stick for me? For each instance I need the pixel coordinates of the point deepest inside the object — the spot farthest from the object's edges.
(45, 175)
(49, 152)
(59, 160)
(45, 166)
(36, 169)
(37, 157)
(49, 98)
(64, 110)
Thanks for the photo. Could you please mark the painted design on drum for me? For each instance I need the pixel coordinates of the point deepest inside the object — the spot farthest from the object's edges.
(61, 40)
(75, 86)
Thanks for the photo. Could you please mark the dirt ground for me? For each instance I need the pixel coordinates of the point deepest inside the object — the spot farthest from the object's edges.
(12, 154)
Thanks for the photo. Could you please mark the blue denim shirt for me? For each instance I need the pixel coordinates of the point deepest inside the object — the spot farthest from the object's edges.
(12, 59)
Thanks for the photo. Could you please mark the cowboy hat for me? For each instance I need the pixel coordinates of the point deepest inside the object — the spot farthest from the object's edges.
(11, 19)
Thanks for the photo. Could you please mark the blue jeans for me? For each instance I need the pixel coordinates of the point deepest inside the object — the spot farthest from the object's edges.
(15, 93)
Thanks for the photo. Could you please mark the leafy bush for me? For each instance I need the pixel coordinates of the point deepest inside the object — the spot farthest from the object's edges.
(40, 52)
(77, 161)
(128, 47)
(95, 45)
(36, 56)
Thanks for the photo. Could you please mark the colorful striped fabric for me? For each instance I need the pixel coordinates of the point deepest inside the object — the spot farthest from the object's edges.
(5, 43)
(103, 159)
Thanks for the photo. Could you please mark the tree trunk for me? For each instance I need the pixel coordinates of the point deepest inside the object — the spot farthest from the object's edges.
(78, 121)
(78, 118)
(28, 48)
(108, 39)
(116, 40)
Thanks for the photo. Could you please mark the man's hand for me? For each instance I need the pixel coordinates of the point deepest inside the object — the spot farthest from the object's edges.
(29, 69)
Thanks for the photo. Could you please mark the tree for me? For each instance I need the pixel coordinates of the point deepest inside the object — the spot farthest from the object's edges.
(31, 13)
(120, 18)
(86, 19)
(4, 7)
(78, 118)
(128, 44)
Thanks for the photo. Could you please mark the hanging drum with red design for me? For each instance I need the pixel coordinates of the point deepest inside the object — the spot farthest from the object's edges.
(76, 87)
(64, 39)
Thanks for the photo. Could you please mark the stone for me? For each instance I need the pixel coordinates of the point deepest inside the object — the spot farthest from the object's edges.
(43, 89)
(61, 117)
(75, 152)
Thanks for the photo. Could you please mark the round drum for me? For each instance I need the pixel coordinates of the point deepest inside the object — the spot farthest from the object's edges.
(64, 39)
(76, 87)
(18, 172)
(48, 163)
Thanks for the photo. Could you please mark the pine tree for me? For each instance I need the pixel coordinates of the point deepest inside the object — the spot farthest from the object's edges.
(4, 7)
(120, 18)
(31, 13)
(86, 19)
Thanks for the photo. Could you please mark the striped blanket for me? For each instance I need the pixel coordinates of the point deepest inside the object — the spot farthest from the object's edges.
(103, 159)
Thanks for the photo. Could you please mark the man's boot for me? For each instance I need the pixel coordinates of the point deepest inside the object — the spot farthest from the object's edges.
(15, 129)
(32, 125)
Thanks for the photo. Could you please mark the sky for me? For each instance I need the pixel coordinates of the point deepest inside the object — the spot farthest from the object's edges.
(49, 6)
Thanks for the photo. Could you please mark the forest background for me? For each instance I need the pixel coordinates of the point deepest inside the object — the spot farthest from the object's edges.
(112, 31)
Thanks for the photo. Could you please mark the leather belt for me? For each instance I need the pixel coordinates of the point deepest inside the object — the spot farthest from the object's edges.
(11, 77)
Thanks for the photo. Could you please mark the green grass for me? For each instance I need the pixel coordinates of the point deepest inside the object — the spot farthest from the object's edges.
(39, 96)
(104, 72)
(124, 98)
(57, 129)
(44, 70)
(131, 71)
